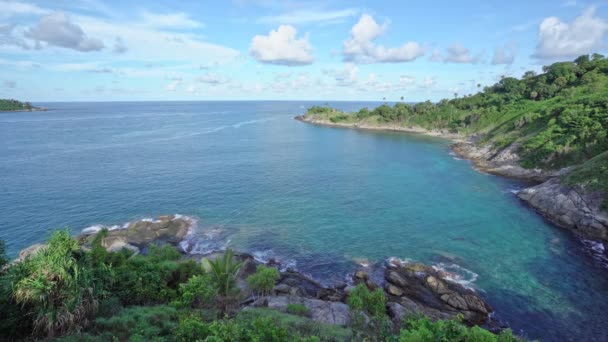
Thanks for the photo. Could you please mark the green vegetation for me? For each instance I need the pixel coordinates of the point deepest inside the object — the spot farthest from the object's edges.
(66, 292)
(593, 175)
(555, 119)
(422, 329)
(263, 280)
(298, 309)
(12, 105)
(368, 313)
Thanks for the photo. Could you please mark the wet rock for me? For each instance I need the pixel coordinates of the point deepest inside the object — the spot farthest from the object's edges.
(393, 290)
(361, 275)
(421, 288)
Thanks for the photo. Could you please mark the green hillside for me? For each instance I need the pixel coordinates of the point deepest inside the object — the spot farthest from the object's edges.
(12, 105)
(558, 118)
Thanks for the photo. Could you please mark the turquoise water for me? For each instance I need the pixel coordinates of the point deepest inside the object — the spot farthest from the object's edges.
(315, 197)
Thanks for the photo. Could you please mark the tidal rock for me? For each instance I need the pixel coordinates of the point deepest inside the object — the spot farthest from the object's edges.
(569, 207)
(361, 275)
(282, 289)
(421, 288)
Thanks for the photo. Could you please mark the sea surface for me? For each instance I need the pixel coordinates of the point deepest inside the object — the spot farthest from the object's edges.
(316, 198)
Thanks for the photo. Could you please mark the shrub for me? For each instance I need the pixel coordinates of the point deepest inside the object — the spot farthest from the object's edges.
(422, 329)
(372, 304)
(149, 322)
(198, 292)
(191, 328)
(264, 279)
(298, 309)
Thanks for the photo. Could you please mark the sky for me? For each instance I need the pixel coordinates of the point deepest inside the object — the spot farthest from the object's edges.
(93, 50)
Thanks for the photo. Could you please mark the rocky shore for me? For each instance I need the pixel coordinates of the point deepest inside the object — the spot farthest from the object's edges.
(410, 288)
(566, 206)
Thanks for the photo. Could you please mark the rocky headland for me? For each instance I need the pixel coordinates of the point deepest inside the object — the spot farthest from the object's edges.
(410, 288)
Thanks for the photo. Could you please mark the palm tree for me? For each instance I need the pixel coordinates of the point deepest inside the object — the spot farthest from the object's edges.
(401, 98)
(223, 274)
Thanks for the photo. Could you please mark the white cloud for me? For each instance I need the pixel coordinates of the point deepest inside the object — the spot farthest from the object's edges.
(436, 56)
(406, 81)
(310, 16)
(457, 53)
(9, 84)
(428, 82)
(360, 46)
(212, 79)
(119, 46)
(347, 76)
(504, 55)
(16, 8)
(8, 37)
(192, 89)
(56, 29)
(558, 39)
(174, 85)
(282, 47)
(169, 21)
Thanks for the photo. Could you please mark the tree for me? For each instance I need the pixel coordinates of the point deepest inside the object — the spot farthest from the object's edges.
(58, 290)
(402, 98)
(263, 280)
(223, 273)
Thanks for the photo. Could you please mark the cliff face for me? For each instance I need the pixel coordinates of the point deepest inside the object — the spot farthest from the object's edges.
(569, 207)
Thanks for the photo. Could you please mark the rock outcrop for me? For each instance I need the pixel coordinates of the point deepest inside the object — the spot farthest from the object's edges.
(322, 311)
(503, 162)
(139, 235)
(417, 288)
(569, 207)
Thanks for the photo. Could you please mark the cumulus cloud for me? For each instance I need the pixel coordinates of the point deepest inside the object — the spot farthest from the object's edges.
(9, 84)
(281, 46)
(119, 46)
(504, 55)
(457, 53)
(56, 29)
(558, 39)
(361, 48)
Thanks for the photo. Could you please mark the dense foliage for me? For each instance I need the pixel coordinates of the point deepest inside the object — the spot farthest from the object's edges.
(554, 119)
(10, 105)
(70, 293)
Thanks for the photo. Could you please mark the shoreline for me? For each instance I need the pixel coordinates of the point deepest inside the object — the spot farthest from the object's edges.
(409, 287)
(36, 109)
(569, 207)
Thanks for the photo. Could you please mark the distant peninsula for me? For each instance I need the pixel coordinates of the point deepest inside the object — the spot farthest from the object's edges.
(550, 128)
(9, 105)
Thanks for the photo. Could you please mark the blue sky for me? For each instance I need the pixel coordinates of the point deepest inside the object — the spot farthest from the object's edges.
(91, 50)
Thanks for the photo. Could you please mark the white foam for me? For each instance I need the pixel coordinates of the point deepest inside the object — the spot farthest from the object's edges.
(250, 122)
(597, 251)
(457, 274)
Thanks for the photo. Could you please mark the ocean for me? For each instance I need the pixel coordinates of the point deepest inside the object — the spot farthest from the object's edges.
(316, 198)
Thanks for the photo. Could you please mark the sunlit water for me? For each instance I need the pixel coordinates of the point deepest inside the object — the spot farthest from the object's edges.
(316, 198)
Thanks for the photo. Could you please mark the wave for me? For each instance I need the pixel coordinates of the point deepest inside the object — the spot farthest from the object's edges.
(457, 274)
(250, 122)
(597, 251)
(264, 256)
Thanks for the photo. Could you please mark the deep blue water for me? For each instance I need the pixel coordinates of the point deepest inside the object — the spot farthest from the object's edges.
(320, 198)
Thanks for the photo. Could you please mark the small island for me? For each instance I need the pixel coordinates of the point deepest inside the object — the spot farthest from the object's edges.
(550, 128)
(9, 105)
